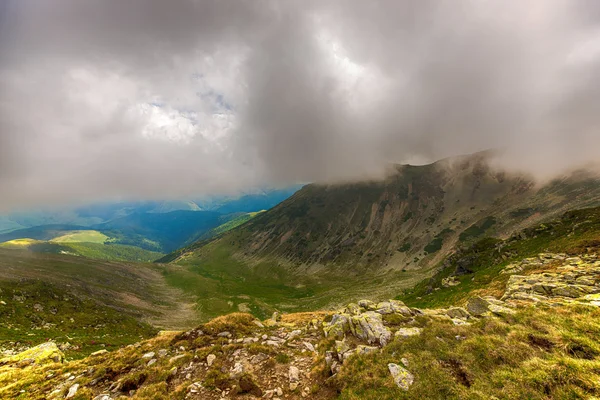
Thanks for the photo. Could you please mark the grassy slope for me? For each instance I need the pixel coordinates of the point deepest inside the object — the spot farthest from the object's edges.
(112, 303)
(90, 236)
(538, 354)
(99, 251)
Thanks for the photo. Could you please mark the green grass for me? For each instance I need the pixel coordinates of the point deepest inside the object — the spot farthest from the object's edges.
(19, 243)
(113, 252)
(94, 250)
(234, 223)
(65, 318)
(539, 353)
(81, 236)
(478, 229)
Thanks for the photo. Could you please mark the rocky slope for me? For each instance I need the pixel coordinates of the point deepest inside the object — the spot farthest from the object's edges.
(410, 220)
(536, 340)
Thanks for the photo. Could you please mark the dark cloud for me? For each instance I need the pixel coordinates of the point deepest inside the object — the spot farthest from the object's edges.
(150, 98)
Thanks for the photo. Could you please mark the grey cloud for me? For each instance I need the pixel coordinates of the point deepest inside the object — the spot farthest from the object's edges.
(139, 99)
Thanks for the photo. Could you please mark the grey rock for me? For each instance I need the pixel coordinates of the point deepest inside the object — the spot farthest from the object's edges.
(401, 376)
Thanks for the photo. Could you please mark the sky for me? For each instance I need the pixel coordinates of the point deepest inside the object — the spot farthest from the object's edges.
(145, 99)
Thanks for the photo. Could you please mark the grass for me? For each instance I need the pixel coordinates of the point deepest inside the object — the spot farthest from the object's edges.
(81, 326)
(222, 281)
(81, 247)
(134, 290)
(19, 243)
(82, 236)
(526, 356)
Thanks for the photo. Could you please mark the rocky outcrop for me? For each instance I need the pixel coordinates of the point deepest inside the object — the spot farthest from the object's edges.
(365, 321)
(573, 278)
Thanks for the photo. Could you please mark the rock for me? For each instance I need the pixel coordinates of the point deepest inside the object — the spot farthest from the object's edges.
(393, 307)
(478, 306)
(458, 322)
(338, 327)
(367, 305)
(72, 391)
(102, 397)
(293, 334)
(450, 281)
(293, 386)
(224, 334)
(353, 309)
(294, 374)
(162, 353)
(499, 310)
(406, 332)
(175, 358)
(210, 359)
(362, 349)
(99, 353)
(279, 391)
(258, 323)
(38, 307)
(2, 302)
(149, 355)
(572, 291)
(151, 362)
(237, 371)
(404, 361)
(309, 346)
(369, 326)
(42, 354)
(401, 376)
(458, 312)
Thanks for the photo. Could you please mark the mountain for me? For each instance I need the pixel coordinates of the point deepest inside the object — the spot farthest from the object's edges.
(315, 246)
(94, 214)
(161, 231)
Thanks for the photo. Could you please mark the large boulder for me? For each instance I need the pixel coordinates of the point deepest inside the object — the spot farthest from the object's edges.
(393, 307)
(369, 326)
(44, 353)
(338, 326)
(481, 307)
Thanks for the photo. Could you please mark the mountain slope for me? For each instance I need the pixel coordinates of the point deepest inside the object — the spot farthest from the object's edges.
(327, 244)
(406, 219)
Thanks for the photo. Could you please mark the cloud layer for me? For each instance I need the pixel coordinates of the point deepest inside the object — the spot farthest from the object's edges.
(148, 98)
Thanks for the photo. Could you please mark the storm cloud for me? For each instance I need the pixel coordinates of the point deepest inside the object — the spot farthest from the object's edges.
(154, 99)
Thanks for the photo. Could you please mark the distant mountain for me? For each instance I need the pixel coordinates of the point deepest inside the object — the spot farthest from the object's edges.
(95, 214)
(162, 232)
(255, 201)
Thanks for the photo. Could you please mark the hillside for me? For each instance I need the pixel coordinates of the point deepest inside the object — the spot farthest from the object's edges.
(84, 304)
(529, 331)
(311, 250)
